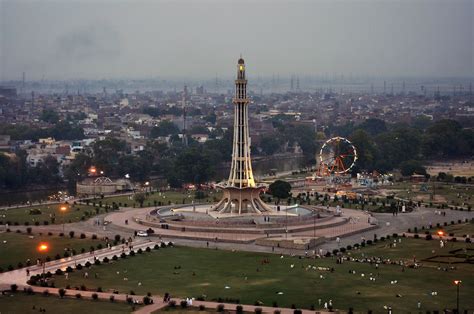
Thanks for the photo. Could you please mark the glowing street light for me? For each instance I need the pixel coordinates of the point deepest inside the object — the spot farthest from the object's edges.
(63, 209)
(92, 170)
(458, 284)
(440, 233)
(43, 248)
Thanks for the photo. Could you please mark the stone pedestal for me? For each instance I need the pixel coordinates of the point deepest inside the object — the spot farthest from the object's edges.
(241, 201)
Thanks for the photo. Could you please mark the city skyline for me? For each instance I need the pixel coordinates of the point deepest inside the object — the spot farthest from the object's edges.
(94, 40)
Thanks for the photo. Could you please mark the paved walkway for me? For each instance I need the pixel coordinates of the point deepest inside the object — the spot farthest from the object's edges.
(19, 277)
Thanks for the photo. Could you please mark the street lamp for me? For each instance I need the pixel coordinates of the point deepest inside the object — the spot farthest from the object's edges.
(63, 209)
(147, 184)
(43, 248)
(314, 225)
(440, 233)
(458, 284)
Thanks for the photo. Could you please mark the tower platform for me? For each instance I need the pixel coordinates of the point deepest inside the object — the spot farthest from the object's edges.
(241, 201)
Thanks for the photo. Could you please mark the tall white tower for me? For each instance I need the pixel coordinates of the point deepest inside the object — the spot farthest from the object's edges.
(241, 194)
(241, 175)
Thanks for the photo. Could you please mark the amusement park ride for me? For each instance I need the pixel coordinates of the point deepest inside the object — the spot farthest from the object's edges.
(336, 159)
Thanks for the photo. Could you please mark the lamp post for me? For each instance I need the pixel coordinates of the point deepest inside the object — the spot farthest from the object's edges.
(63, 209)
(147, 185)
(43, 248)
(458, 284)
(314, 225)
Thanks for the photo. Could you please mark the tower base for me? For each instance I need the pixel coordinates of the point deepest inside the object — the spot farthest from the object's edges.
(241, 201)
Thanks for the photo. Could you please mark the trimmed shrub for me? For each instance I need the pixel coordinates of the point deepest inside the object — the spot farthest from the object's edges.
(220, 308)
(13, 288)
(78, 296)
(183, 304)
(239, 309)
(62, 293)
(95, 296)
(147, 300)
(112, 298)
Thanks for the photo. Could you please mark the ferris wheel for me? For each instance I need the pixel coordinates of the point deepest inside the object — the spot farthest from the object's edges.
(337, 156)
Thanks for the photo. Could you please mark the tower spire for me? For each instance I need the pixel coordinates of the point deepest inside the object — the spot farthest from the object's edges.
(241, 194)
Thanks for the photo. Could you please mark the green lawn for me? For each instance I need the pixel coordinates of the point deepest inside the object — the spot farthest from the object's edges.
(459, 230)
(175, 197)
(15, 247)
(42, 213)
(22, 303)
(241, 275)
(448, 193)
(410, 248)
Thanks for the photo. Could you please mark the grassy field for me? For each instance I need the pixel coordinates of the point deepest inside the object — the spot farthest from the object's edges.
(460, 230)
(22, 303)
(190, 272)
(449, 193)
(17, 248)
(163, 198)
(42, 213)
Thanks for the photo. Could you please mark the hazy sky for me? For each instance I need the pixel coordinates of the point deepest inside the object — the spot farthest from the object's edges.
(112, 39)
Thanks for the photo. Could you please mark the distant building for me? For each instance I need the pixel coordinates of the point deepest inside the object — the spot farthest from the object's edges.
(102, 185)
(5, 142)
(8, 92)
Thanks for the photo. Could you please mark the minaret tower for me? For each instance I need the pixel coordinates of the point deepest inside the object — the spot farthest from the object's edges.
(241, 175)
(241, 194)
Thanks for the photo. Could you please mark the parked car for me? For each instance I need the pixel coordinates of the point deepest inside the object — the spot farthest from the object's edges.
(142, 234)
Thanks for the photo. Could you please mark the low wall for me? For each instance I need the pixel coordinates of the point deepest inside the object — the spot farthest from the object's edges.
(303, 243)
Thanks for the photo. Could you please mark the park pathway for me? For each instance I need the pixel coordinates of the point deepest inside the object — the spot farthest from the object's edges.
(20, 278)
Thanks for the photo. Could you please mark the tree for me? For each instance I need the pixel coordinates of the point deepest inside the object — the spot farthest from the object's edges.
(139, 198)
(397, 146)
(373, 126)
(446, 138)
(77, 170)
(164, 128)
(269, 145)
(50, 116)
(366, 149)
(107, 153)
(407, 168)
(280, 189)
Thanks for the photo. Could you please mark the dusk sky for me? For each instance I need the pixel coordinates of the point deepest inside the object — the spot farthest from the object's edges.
(202, 39)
